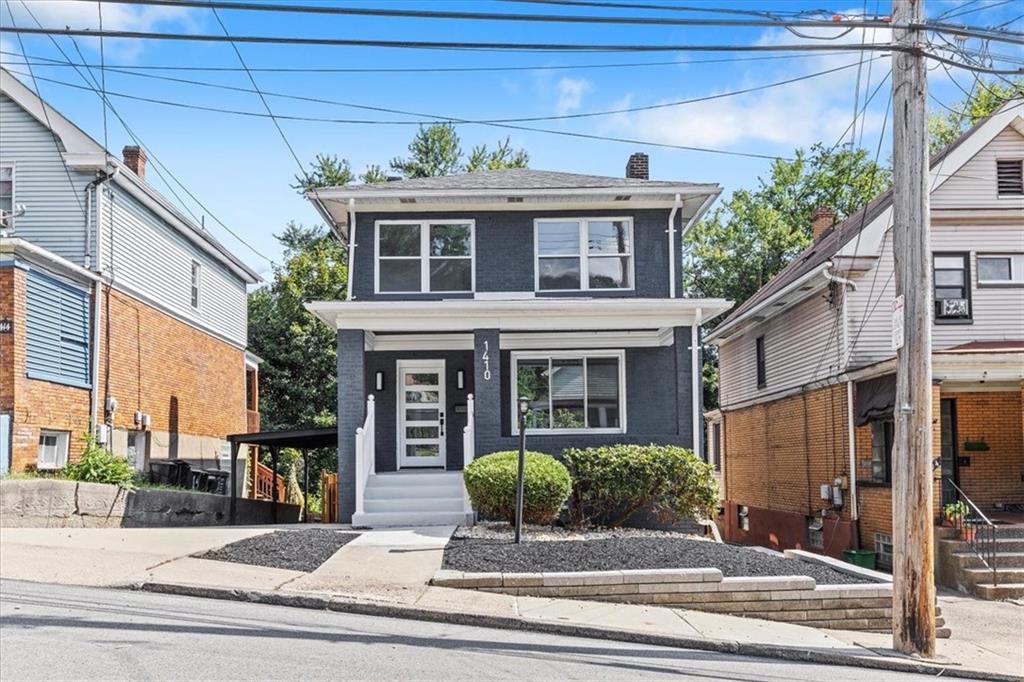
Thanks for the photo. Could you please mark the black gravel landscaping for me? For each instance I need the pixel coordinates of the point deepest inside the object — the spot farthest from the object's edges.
(295, 550)
(486, 555)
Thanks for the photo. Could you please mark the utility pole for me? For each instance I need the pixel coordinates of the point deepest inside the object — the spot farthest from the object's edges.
(913, 613)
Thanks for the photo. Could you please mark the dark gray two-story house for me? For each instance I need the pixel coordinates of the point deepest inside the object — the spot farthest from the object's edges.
(469, 291)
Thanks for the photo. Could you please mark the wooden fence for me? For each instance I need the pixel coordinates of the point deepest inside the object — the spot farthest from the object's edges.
(329, 497)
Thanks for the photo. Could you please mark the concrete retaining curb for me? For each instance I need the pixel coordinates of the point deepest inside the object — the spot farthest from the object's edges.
(388, 610)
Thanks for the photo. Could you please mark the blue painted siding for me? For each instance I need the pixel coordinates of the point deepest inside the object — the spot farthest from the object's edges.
(57, 330)
(505, 252)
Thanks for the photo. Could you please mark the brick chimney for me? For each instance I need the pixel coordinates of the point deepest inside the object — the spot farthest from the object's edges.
(638, 167)
(135, 158)
(822, 221)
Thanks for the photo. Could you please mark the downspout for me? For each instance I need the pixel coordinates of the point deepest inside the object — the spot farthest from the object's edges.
(672, 246)
(97, 299)
(697, 388)
(351, 243)
(850, 432)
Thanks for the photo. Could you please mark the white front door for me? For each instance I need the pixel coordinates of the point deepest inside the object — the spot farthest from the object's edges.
(421, 418)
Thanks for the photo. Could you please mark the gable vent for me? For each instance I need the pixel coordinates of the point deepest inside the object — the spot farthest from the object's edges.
(1010, 177)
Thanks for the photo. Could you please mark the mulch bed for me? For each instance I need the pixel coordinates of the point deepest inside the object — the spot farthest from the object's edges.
(296, 550)
(484, 555)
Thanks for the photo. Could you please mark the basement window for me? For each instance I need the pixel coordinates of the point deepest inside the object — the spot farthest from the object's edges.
(883, 550)
(53, 450)
(815, 533)
(742, 517)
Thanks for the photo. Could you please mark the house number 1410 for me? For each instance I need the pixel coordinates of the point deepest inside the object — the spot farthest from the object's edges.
(486, 358)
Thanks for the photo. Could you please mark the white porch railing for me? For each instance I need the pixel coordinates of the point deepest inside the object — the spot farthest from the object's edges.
(365, 453)
(468, 446)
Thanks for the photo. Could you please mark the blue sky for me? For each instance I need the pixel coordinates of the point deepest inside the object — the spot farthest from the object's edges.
(241, 170)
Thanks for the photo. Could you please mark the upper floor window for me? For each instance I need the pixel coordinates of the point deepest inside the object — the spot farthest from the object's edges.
(952, 286)
(432, 256)
(1010, 177)
(570, 391)
(6, 194)
(57, 331)
(197, 279)
(762, 376)
(584, 254)
(1001, 268)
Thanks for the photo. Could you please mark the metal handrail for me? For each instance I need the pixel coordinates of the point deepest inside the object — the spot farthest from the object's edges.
(980, 537)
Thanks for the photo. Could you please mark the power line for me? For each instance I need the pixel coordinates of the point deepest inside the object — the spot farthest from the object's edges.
(491, 16)
(946, 15)
(526, 119)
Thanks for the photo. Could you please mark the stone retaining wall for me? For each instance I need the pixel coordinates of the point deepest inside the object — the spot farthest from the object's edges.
(46, 503)
(795, 599)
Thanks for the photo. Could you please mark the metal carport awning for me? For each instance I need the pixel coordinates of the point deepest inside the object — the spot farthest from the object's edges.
(300, 439)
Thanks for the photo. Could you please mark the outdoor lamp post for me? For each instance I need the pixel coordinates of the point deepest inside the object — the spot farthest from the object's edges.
(524, 407)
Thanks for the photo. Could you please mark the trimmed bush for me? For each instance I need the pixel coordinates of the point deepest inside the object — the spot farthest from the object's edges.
(491, 484)
(612, 483)
(99, 465)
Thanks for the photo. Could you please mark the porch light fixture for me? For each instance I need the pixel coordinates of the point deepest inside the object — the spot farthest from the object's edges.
(524, 407)
(380, 381)
(460, 379)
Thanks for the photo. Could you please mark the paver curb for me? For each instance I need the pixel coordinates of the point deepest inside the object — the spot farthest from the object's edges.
(390, 610)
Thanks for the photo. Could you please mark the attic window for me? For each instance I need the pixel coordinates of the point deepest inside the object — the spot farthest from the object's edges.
(515, 200)
(1010, 177)
(407, 200)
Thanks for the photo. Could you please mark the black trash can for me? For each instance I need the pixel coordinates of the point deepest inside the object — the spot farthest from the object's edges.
(198, 479)
(217, 481)
(163, 472)
(183, 479)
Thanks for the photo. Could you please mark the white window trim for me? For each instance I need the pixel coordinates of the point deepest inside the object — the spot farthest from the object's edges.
(1000, 195)
(424, 256)
(61, 454)
(14, 192)
(195, 284)
(583, 254)
(1016, 273)
(620, 355)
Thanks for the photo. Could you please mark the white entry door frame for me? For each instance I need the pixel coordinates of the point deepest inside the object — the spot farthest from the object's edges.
(420, 387)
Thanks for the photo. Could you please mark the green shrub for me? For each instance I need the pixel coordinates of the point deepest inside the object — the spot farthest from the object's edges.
(99, 465)
(612, 483)
(491, 484)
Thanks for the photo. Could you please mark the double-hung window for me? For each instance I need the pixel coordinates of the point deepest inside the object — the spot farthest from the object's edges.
(571, 391)
(197, 279)
(584, 254)
(1001, 269)
(881, 451)
(952, 274)
(431, 256)
(7, 196)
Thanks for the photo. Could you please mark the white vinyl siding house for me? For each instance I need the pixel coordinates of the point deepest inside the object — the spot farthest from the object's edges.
(975, 184)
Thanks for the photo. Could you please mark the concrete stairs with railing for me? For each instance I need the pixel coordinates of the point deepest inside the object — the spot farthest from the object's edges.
(962, 569)
(413, 498)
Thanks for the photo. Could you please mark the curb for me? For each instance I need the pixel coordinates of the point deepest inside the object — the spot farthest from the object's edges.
(389, 610)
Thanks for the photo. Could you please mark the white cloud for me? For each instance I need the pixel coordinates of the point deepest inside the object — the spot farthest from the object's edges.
(570, 94)
(796, 114)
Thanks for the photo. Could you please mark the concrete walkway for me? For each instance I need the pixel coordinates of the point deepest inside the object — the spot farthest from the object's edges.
(386, 572)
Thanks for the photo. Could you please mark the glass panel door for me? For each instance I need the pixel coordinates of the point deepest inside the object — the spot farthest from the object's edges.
(421, 416)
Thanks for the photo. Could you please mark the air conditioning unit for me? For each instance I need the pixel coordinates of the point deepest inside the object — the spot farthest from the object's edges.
(954, 307)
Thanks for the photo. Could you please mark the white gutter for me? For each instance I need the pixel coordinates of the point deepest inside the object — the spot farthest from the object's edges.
(340, 193)
(697, 382)
(844, 340)
(351, 244)
(97, 302)
(17, 245)
(672, 246)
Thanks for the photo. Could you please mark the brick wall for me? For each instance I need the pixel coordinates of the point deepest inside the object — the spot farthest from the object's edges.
(994, 475)
(188, 381)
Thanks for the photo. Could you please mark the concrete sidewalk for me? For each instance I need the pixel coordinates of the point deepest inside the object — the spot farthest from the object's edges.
(386, 573)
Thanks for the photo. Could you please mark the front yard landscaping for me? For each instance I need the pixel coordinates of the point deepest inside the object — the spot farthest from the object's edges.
(488, 548)
(296, 550)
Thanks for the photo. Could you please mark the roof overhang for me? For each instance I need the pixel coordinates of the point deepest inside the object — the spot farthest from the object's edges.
(538, 314)
(13, 247)
(334, 203)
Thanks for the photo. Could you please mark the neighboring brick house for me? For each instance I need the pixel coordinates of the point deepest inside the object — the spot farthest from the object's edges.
(807, 364)
(470, 290)
(117, 313)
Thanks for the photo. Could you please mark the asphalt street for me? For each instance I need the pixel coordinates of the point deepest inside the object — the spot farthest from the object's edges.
(61, 633)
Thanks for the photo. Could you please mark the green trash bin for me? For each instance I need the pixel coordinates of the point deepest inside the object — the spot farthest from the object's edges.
(865, 558)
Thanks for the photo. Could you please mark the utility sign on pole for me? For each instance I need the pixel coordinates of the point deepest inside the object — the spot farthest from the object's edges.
(897, 323)
(913, 613)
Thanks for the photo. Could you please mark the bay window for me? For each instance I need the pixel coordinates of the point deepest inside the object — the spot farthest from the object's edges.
(431, 256)
(571, 391)
(584, 254)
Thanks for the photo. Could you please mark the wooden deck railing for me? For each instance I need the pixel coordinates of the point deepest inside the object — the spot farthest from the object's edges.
(262, 484)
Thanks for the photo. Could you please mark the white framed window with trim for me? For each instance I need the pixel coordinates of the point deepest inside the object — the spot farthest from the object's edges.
(53, 450)
(424, 256)
(1001, 269)
(570, 391)
(7, 195)
(583, 254)
(195, 290)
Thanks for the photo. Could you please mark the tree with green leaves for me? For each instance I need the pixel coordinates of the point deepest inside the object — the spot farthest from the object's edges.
(984, 98)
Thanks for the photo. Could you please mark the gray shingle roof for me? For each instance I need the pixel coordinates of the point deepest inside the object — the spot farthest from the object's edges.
(516, 179)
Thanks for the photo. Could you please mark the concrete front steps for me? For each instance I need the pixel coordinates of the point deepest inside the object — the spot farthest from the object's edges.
(962, 569)
(413, 498)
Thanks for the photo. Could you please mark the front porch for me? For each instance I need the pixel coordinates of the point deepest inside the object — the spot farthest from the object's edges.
(426, 386)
